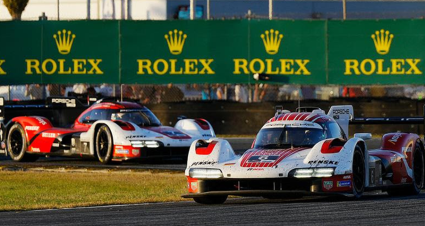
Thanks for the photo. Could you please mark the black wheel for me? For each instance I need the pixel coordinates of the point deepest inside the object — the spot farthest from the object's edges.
(418, 166)
(211, 199)
(17, 145)
(358, 173)
(104, 144)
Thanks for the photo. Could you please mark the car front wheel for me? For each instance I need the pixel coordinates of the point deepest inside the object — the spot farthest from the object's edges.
(104, 144)
(17, 145)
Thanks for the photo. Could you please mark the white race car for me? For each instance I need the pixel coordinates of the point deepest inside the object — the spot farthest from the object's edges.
(305, 153)
(108, 131)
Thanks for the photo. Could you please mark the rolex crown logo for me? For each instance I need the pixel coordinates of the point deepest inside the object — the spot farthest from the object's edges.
(175, 41)
(64, 41)
(382, 40)
(271, 41)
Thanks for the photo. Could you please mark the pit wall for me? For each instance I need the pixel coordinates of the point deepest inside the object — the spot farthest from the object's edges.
(246, 119)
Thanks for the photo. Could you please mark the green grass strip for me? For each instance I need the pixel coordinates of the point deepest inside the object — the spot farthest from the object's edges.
(44, 190)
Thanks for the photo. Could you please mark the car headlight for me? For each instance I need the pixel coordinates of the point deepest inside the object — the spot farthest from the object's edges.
(145, 143)
(205, 173)
(314, 172)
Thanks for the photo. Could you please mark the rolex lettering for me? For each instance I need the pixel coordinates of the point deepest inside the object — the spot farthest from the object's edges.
(382, 41)
(175, 41)
(272, 40)
(64, 40)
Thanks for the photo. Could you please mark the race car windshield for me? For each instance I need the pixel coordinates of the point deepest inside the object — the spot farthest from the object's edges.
(288, 137)
(139, 117)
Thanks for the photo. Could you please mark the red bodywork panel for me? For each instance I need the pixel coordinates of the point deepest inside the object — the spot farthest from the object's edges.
(206, 150)
(266, 158)
(302, 116)
(41, 134)
(395, 147)
(332, 146)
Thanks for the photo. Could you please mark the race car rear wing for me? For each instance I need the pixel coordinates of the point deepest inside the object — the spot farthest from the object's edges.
(344, 115)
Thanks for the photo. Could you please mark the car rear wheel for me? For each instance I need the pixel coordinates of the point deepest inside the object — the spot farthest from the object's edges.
(358, 173)
(104, 144)
(17, 145)
(211, 199)
(418, 165)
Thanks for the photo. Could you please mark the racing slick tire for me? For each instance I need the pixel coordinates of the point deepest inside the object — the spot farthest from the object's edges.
(17, 145)
(418, 165)
(211, 199)
(358, 173)
(104, 144)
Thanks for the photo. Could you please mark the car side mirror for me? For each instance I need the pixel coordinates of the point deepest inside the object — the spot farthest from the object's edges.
(364, 136)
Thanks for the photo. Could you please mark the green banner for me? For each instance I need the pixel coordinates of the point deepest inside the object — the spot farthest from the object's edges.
(289, 51)
(182, 51)
(316, 52)
(59, 52)
(376, 52)
(222, 51)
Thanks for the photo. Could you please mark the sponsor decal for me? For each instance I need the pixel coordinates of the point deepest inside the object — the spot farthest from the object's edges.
(395, 138)
(255, 169)
(135, 136)
(41, 121)
(55, 145)
(121, 151)
(272, 40)
(175, 40)
(67, 102)
(64, 40)
(345, 183)
(382, 40)
(327, 162)
(341, 111)
(135, 151)
(347, 177)
(328, 185)
(35, 149)
(48, 135)
(194, 186)
(263, 159)
(32, 128)
(403, 180)
(206, 135)
(204, 163)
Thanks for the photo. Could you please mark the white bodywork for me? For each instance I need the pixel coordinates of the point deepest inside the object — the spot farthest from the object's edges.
(124, 137)
(224, 158)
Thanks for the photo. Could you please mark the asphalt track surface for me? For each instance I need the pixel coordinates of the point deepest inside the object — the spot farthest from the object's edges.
(373, 209)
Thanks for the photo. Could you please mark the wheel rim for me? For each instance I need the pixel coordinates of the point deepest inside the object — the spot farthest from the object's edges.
(358, 172)
(16, 142)
(103, 143)
(418, 165)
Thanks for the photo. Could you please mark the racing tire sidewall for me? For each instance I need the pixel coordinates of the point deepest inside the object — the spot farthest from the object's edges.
(16, 143)
(104, 137)
(358, 181)
(418, 153)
